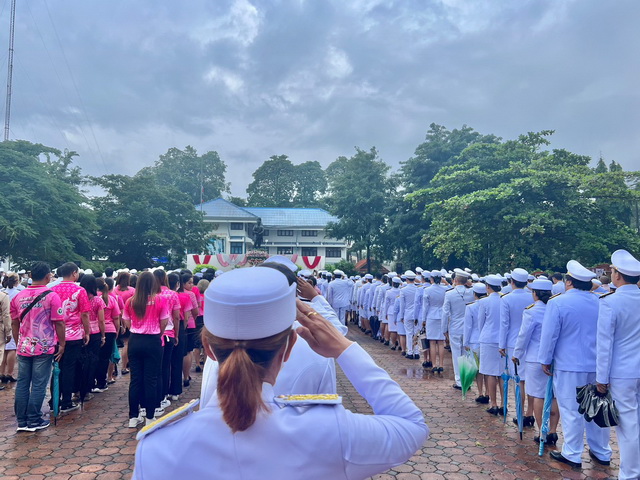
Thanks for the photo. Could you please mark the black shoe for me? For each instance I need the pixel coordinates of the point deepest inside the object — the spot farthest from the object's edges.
(3, 379)
(483, 399)
(503, 410)
(552, 439)
(597, 460)
(493, 410)
(440, 369)
(392, 348)
(515, 420)
(447, 347)
(425, 364)
(404, 354)
(429, 364)
(198, 369)
(10, 379)
(386, 343)
(529, 421)
(558, 456)
(434, 370)
(457, 387)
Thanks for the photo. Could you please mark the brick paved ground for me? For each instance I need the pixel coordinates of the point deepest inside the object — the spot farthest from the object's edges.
(465, 441)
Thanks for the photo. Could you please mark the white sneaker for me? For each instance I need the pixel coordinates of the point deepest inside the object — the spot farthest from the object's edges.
(159, 412)
(147, 421)
(143, 413)
(174, 398)
(135, 422)
(165, 403)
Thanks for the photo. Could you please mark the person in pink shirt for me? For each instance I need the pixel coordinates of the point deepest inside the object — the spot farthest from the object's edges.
(37, 325)
(146, 314)
(97, 333)
(124, 292)
(114, 357)
(111, 328)
(76, 308)
(192, 331)
(169, 338)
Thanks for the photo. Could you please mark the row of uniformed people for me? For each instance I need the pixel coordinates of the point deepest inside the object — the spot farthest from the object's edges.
(248, 425)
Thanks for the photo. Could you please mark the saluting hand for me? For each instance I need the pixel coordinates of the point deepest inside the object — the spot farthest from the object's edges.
(321, 336)
(306, 290)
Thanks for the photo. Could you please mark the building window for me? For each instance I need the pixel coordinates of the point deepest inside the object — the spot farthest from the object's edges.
(236, 247)
(266, 233)
(334, 252)
(285, 233)
(237, 226)
(285, 250)
(309, 251)
(309, 233)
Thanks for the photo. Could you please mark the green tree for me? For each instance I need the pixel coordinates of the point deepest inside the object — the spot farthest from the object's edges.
(201, 177)
(239, 201)
(310, 184)
(139, 219)
(358, 197)
(274, 183)
(43, 213)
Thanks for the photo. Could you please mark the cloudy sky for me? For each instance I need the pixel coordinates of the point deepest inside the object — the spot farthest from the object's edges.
(120, 82)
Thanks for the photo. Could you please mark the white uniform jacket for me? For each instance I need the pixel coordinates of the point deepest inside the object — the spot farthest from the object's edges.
(407, 302)
(489, 318)
(618, 341)
(453, 308)
(528, 341)
(339, 293)
(512, 305)
(471, 335)
(432, 301)
(314, 442)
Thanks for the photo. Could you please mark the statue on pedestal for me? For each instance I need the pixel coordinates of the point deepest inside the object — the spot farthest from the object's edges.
(258, 233)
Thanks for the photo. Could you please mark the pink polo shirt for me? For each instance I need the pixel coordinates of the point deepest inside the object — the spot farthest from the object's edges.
(157, 309)
(111, 314)
(37, 329)
(124, 294)
(194, 304)
(174, 304)
(97, 304)
(75, 302)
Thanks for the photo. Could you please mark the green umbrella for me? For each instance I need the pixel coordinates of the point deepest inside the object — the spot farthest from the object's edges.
(468, 371)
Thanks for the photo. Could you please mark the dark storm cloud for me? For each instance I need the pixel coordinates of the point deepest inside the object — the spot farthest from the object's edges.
(313, 79)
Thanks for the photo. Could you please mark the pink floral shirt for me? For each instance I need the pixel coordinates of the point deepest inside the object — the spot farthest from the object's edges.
(74, 303)
(37, 329)
(157, 309)
(97, 304)
(111, 314)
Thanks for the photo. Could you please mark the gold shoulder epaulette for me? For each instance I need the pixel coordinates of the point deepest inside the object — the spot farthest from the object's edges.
(607, 294)
(554, 296)
(171, 417)
(504, 294)
(471, 303)
(313, 399)
(530, 306)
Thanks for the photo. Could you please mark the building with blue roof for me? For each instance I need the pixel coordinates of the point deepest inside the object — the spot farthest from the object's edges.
(287, 231)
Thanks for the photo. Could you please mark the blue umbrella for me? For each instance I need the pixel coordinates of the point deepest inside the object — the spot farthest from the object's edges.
(505, 380)
(55, 391)
(516, 380)
(546, 413)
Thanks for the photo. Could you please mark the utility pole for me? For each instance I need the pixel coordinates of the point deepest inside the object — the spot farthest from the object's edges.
(7, 114)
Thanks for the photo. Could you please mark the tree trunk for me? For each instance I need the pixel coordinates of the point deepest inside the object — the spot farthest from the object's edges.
(368, 258)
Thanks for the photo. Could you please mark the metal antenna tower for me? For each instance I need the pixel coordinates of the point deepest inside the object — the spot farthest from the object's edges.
(7, 114)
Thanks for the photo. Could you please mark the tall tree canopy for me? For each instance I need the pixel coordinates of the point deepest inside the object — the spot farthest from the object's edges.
(201, 177)
(273, 183)
(139, 219)
(43, 213)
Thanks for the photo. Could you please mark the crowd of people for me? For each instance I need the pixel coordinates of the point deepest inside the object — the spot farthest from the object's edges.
(567, 326)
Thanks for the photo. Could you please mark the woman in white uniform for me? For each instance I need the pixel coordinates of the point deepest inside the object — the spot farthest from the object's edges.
(471, 336)
(247, 432)
(432, 301)
(390, 308)
(526, 350)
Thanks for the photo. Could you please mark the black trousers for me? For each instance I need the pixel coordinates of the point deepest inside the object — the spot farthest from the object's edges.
(177, 356)
(163, 385)
(92, 350)
(145, 363)
(68, 364)
(104, 355)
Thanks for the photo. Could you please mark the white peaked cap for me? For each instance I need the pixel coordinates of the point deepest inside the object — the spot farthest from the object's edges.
(133, 270)
(531, 277)
(329, 274)
(88, 271)
(467, 269)
(480, 288)
(579, 272)
(305, 273)
(443, 272)
(519, 275)
(436, 273)
(358, 277)
(338, 272)
(426, 274)
(392, 274)
(597, 282)
(282, 260)
(409, 274)
(543, 277)
(368, 276)
(250, 303)
(541, 284)
(625, 263)
(474, 277)
(419, 270)
(494, 280)
(461, 273)
(397, 280)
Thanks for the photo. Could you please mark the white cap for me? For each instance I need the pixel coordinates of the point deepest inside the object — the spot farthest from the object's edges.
(338, 272)
(596, 282)
(467, 269)
(250, 303)
(392, 274)
(133, 270)
(436, 273)
(519, 275)
(409, 274)
(218, 273)
(540, 284)
(88, 271)
(22, 271)
(419, 270)
(358, 277)
(625, 263)
(368, 276)
(480, 288)
(461, 273)
(543, 277)
(328, 274)
(426, 274)
(530, 278)
(474, 277)
(397, 280)
(579, 272)
(282, 260)
(494, 280)
(305, 273)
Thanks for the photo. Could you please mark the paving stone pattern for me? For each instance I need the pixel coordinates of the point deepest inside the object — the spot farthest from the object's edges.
(465, 442)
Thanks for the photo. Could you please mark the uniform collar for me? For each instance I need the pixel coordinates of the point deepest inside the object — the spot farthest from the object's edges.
(267, 393)
(627, 287)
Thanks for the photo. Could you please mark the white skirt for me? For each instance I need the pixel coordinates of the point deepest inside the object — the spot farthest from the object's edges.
(383, 319)
(434, 329)
(536, 384)
(491, 363)
(401, 329)
(393, 327)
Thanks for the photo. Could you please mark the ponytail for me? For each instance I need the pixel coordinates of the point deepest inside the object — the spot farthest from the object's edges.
(104, 290)
(543, 295)
(243, 366)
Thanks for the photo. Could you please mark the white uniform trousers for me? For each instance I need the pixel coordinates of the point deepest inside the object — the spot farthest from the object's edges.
(626, 394)
(341, 311)
(411, 329)
(455, 342)
(573, 423)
